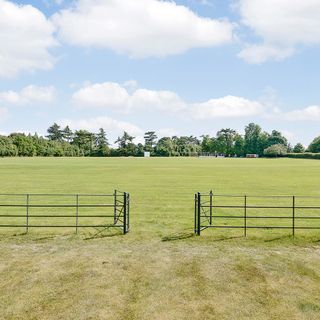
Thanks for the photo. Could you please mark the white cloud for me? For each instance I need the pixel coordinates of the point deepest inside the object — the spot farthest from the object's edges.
(144, 28)
(103, 95)
(282, 25)
(109, 124)
(112, 96)
(25, 39)
(151, 100)
(311, 113)
(28, 95)
(261, 53)
(228, 107)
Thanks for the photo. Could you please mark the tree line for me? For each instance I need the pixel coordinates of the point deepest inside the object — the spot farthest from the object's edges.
(227, 142)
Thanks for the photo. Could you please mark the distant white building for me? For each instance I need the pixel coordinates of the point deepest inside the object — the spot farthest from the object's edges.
(147, 154)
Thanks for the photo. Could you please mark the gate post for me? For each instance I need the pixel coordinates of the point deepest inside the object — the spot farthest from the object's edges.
(77, 213)
(124, 213)
(211, 197)
(115, 207)
(27, 216)
(195, 213)
(198, 214)
(128, 212)
(245, 216)
(293, 214)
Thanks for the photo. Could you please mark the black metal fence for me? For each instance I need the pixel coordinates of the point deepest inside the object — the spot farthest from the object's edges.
(99, 211)
(256, 212)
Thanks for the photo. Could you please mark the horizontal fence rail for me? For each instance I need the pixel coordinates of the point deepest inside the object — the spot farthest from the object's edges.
(100, 211)
(255, 212)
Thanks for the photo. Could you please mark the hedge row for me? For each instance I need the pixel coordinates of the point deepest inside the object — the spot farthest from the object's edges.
(307, 155)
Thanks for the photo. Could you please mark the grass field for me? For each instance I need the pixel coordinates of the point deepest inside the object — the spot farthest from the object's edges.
(160, 270)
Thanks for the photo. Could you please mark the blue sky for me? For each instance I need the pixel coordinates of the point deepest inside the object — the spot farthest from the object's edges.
(184, 67)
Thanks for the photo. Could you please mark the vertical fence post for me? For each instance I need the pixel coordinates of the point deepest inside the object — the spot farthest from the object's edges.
(124, 213)
(245, 216)
(128, 212)
(211, 196)
(195, 213)
(27, 222)
(198, 214)
(77, 213)
(293, 214)
(115, 207)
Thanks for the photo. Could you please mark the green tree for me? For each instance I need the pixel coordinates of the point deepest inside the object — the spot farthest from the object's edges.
(150, 138)
(238, 145)
(277, 138)
(298, 148)
(315, 145)
(139, 150)
(55, 133)
(255, 141)
(124, 140)
(276, 150)
(206, 144)
(126, 147)
(24, 144)
(165, 147)
(85, 142)
(225, 141)
(186, 146)
(7, 147)
(67, 134)
(102, 143)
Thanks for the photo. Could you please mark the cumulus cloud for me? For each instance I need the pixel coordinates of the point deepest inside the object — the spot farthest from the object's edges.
(282, 26)
(26, 37)
(261, 53)
(227, 107)
(113, 96)
(144, 28)
(105, 95)
(311, 113)
(29, 95)
(151, 100)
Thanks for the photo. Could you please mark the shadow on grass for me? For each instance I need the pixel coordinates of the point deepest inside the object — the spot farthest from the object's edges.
(100, 234)
(228, 238)
(177, 236)
(45, 238)
(286, 237)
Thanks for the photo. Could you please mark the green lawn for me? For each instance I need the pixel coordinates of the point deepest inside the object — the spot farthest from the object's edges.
(160, 270)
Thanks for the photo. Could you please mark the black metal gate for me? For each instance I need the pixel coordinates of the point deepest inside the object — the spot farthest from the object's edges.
(256, 212)
(65, 211)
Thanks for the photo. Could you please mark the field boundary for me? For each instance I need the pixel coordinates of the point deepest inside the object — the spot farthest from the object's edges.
(208, 212)
(115, 209)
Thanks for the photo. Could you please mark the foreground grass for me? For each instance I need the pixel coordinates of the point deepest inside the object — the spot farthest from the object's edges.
(159, 270)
